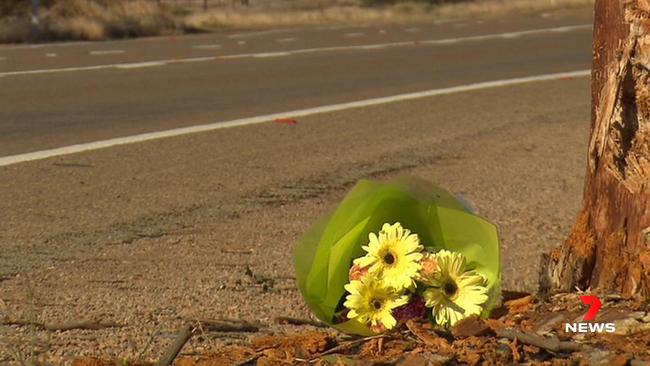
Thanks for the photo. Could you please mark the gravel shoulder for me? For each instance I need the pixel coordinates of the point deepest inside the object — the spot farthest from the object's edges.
(150, 235)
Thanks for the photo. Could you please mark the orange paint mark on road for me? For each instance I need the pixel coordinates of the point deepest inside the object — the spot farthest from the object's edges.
(286, 121)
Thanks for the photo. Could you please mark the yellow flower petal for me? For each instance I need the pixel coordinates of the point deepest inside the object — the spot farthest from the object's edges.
(456, 293)
(371, 303)
(393, 256)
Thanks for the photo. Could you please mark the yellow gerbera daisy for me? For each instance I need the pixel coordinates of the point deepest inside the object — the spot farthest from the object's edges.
(456, 293)
(371, 303)
(393, 256)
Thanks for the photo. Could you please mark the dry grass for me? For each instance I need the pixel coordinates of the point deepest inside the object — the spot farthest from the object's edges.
(84, 19)
(350, 12)
(104, 19)
(91, 20)
(278, 18)
(16, 29)
(491, 8)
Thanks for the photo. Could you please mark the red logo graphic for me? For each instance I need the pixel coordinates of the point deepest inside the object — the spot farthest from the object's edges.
(594, 306)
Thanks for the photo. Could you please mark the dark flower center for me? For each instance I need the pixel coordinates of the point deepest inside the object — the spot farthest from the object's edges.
(376, 304)
(450, 289)
(389, 258)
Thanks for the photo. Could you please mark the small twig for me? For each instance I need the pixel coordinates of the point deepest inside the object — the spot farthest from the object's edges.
(229, 326)
(296, 321)
(216, 335)
(233, 251)
(250, 359)
(83, 325)
(346, 345)
(107, 281)
(429, 337)
(183, 336)
(549, 344)
(146, 347)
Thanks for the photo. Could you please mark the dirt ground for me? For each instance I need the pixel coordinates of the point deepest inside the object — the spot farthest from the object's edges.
(143, 239)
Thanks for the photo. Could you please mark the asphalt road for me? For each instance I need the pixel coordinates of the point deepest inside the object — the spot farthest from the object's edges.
(46, 110)
(153, 233)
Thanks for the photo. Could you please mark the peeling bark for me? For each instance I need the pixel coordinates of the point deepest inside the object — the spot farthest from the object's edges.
(608, 249)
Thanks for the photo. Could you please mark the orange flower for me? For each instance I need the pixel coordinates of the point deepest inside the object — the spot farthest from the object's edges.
(429, 266)
(357, 272)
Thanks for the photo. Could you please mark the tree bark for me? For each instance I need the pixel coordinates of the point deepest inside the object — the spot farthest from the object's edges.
(608, 249)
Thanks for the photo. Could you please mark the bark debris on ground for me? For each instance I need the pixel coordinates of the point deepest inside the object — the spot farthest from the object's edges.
(524, 330)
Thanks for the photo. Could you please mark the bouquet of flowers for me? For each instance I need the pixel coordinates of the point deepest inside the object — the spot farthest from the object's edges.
(397, 251)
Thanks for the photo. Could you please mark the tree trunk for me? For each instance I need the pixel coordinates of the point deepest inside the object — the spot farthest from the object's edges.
(608, 249)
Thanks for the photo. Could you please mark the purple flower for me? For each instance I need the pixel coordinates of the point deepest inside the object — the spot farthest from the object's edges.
(414, 309)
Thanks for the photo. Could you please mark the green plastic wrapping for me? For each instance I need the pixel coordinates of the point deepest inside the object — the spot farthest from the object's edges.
(324, 254)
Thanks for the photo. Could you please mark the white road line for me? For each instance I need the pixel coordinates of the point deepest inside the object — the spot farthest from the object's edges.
(412, 30)
(411, 43)
(285, 40)
(258, 55)
(356, 34)
(137, 65)
(73, 149)
(261, 33)
(126, 65)
(435, 42)
(50, 54)
(207, 46)
(507, 35)
(241, 43)
(43, 45)
(288, 30)
(314, 50)
(106, 52)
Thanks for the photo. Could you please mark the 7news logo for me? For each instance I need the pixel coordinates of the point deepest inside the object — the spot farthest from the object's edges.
(591, 327)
